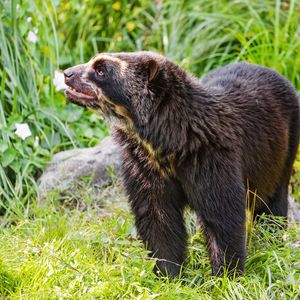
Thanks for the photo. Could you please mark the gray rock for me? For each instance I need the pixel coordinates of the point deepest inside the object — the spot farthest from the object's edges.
(68, 167)
(294, 211)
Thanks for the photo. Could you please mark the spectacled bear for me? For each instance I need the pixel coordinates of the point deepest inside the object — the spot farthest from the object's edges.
(198, 143)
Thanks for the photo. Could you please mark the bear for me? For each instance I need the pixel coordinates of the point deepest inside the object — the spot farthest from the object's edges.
(203, 144)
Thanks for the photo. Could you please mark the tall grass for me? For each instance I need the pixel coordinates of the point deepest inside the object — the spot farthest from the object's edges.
(22, 83)
(199, 35)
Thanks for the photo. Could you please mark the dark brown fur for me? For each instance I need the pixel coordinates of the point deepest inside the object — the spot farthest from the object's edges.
(196, 143)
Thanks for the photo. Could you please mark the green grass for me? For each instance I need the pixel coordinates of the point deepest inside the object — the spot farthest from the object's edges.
(60, 253)
(199, 35)
(71, 254)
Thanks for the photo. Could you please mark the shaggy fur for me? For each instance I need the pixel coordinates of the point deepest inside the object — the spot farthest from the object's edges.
(202, 144)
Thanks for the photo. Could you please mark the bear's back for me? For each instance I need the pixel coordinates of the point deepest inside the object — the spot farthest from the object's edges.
(266, 106)
(249, 78)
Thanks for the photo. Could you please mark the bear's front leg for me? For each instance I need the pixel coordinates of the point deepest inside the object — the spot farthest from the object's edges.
(157, 203)
(159, 221)
(226, 239)
(215, 189)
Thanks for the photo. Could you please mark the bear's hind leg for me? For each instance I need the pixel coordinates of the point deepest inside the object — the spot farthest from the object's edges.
(276, 205)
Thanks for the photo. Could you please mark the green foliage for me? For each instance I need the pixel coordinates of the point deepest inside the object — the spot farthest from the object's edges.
(198, 35)
(28, 96)
(74, 255)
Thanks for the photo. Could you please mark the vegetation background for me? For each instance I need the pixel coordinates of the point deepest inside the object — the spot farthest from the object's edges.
(58, 253)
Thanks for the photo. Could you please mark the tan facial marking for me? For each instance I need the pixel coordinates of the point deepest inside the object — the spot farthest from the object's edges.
(123, 64)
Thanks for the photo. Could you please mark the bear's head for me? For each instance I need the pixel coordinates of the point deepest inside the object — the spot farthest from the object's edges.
(123, 87)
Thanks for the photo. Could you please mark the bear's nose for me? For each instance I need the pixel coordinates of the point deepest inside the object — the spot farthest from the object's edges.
(69, 72)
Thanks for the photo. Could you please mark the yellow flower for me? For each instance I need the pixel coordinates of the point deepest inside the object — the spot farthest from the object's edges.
(130, 26)
(297, 165)
(116, 5)
(67, 5)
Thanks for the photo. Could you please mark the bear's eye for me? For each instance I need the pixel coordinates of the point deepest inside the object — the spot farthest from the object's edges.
(100, 71)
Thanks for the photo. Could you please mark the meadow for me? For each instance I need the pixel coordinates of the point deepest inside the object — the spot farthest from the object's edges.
(58, 252)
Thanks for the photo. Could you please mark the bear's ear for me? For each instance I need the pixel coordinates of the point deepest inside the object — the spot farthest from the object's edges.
(152, 68)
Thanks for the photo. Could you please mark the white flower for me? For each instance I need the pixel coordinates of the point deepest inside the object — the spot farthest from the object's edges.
(22, 130)
(59, 81)
(28, 19)
(36, 142)
(31, 37)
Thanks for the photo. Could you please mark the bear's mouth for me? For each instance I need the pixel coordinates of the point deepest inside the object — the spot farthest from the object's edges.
(79, 97)
(87, 98)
